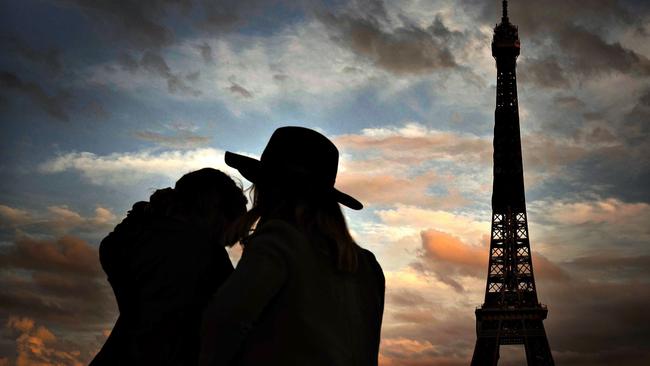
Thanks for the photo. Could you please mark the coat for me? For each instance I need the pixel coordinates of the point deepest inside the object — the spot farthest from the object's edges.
(286, 304)
(163, 271)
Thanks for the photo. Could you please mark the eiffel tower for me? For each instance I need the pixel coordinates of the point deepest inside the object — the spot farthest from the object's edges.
(511, 313)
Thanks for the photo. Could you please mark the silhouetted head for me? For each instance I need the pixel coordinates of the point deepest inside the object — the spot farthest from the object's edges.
(294, 181)
(207, 197)
(297, 158)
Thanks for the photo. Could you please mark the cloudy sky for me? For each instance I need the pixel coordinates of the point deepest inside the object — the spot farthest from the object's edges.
(103, 103)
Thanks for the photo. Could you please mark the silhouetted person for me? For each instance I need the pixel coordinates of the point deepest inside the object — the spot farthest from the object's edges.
(164, 261)
(304, 293)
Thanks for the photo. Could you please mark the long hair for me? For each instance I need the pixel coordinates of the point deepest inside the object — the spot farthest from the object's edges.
(312, 211)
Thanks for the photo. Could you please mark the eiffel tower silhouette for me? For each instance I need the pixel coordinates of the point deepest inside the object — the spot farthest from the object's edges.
(511, 313)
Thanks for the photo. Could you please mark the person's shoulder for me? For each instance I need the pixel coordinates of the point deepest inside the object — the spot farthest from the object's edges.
(130, 224)
(370, 258)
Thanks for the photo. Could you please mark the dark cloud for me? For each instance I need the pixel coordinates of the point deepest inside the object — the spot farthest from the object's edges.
(440, 31)
(577, 33)
(407, 49)
(175, 84)
(566, 44)
(599, 322)
(58, 284)
(49, 58)
(545, 72)
(224, 15)
(206, 53)
(591, 55)
(127, 62)
(280, 77)
(66, 255)
(538, 17)
(611, 170)
(404, 297)
(636, 126)
(96, 109)
(607, 153)
(139, 23)
(152, 62)
(183, 140)
(193, 76)
(373, 9)
(569, 102)
(612, 267)
(239, 90)
(145, 24)
(53, 105)
(600, 135)
(618, 162)
(178, 135)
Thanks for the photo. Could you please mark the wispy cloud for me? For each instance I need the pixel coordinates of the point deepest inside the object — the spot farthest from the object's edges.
(57, 220)
(120, 168)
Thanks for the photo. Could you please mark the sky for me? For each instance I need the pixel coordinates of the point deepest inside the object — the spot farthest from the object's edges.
(102, 102)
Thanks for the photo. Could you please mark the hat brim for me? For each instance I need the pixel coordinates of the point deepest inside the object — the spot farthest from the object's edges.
(347, 200)
(251, 168)
(248, 167)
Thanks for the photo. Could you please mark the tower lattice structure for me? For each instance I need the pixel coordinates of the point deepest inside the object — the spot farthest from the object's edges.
(511, 313)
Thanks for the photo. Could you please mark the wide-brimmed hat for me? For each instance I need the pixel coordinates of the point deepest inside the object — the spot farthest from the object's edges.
(298, 155)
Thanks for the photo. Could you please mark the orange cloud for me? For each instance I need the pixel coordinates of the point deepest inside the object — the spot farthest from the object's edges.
(13, 216)
(403, 351)
(37, 345)
(546, 270)
(449, 259)
(21, 324)
(440, 246)
(394, 189)
(405, 346)
(54, 282)
(67, 254)
(414, 143)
